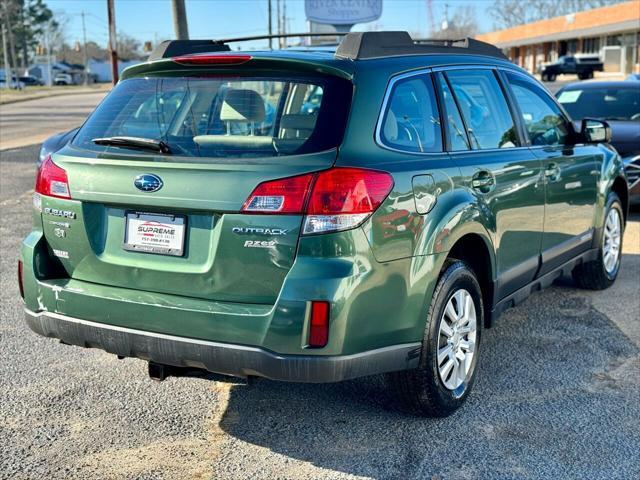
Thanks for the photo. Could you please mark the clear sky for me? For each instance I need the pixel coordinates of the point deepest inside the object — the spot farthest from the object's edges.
(148, 20)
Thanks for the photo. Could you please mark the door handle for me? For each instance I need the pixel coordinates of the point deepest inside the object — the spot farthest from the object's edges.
(482, 181)
(552, 172)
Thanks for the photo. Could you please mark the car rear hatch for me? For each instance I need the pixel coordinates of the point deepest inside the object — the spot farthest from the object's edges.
(176, 215)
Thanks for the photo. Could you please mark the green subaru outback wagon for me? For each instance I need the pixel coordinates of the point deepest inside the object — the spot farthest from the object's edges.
(314, 216)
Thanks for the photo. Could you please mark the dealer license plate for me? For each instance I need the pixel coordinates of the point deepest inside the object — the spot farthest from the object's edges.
(155, 233)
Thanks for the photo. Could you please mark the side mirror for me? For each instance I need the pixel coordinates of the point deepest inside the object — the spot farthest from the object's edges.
(595, 131)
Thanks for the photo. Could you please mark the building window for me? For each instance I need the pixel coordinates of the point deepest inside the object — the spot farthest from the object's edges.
(591, 45)
(614, 40)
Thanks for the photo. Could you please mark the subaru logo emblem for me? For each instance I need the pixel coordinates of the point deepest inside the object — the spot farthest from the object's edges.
(148, 182)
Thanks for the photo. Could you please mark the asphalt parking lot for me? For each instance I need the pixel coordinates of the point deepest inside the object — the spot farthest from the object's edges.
(557, 397)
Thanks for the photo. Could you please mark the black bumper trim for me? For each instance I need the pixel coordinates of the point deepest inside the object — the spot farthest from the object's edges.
(223, 358)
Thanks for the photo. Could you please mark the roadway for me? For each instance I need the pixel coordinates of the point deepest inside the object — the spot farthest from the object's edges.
(32, 121)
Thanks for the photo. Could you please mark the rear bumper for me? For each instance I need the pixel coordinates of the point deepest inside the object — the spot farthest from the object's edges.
(223, 358)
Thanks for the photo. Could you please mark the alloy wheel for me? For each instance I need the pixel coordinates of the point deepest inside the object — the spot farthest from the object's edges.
(457, 339)
(611, 241)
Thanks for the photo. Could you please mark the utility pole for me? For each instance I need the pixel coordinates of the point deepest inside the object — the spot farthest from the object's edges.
(24, 58)
(113, 46)
(269, 14)
(8, 77)
(47, 46)
(180, 20)
(86, 58)
(279, 24)
(284, 22)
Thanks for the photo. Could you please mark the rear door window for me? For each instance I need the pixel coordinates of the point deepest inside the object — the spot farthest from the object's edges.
(456, 131)
(224, 116)
(486, 113)
(411, 121)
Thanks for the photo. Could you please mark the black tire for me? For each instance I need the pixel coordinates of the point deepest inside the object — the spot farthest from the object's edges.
(593, 275)
(544, 77)
(582, 76)
(552, 77)
(421, 391)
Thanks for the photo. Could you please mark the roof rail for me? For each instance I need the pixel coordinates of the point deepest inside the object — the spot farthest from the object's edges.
(172, 48)
(283, 35)
(363, 45)
(354, 45)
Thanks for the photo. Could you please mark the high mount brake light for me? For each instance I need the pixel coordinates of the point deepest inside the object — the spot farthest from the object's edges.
(52, 180)
(208, 59)
(332, 200)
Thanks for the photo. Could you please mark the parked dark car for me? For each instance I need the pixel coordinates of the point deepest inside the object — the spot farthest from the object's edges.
(30, 81)
(619, 104)
(55, 143)
(583, 67)
(14, 84)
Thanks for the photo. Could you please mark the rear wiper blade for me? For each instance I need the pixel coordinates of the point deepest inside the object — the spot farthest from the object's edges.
(134, 142)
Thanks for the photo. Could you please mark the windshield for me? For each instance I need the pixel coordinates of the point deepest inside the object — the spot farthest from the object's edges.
(226, 116)
(611, 103)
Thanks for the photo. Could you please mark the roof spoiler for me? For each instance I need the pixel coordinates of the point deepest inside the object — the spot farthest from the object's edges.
(354, 45)
(175, 48)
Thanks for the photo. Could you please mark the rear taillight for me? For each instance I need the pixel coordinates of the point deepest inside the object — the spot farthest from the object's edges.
(52, 180)
(209, 59)
(319, 324)
(332, 200)
(343, 198)
(284, 196)
(21, 278)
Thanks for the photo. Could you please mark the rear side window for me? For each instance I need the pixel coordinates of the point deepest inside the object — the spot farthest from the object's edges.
(542, 118)
(411, 120)
(484, 108)
(224, 116)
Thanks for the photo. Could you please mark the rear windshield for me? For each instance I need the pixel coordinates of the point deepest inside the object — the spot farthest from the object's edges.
(224, 116)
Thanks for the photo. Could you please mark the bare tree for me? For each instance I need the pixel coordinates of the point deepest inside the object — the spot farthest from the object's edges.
(462, 24)
(509, 13)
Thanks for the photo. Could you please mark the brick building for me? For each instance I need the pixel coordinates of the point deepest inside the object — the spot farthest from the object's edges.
(612, 32)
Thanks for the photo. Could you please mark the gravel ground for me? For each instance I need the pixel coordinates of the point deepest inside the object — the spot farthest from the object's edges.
(557, 397)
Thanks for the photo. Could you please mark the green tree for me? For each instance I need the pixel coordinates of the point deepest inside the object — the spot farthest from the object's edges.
(25, 22)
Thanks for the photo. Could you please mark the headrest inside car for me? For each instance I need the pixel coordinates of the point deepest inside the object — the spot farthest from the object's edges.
(242, 105)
